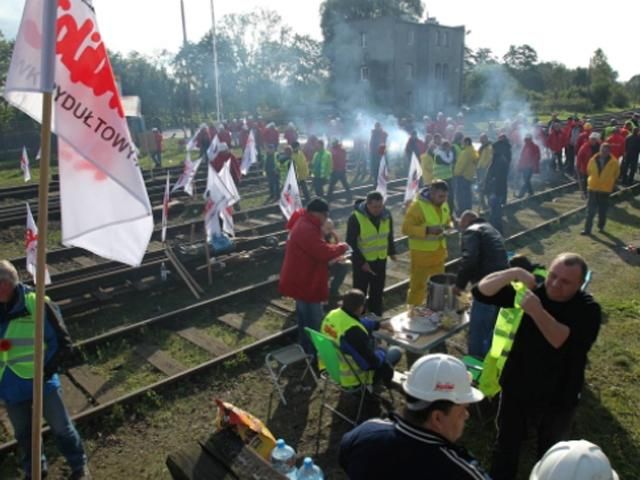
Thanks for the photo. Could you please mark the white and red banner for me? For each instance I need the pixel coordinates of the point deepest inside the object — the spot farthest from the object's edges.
(31, 248)
(383, 177)
(290, 197)
(250, 154)
(165, 209)
(413, 180)
(216, 199)
(105, 206)
(24, 165)
(214, 148)
(189, 171)
(234, 197)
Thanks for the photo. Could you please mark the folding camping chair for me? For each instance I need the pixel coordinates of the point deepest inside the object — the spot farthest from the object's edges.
(279, 360)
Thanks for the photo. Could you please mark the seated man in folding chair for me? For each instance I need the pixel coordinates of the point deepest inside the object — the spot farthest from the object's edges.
(367, 363)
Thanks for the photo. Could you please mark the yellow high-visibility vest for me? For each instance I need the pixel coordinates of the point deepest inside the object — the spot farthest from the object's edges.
(371, 242)
(432, 219)
(334, 325)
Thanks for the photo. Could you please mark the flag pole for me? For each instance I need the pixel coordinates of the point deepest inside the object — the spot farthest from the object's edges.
(49, 16)
(215, 63)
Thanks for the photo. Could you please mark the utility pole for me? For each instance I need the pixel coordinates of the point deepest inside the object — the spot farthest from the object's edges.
(188, 72)
(215, 63)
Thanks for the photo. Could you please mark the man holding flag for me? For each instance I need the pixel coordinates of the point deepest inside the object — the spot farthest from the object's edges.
(17, 315)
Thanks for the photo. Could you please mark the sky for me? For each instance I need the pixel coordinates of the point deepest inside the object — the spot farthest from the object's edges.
(566, 32)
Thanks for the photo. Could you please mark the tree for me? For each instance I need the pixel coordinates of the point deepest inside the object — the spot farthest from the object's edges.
(334, 12)
(521, 57)
(633, 88)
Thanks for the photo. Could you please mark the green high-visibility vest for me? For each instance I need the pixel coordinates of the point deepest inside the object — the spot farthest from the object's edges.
(373, 243)
(432, 219)
(442, 171)
(18, 342)
(334, 325)
(504, 333)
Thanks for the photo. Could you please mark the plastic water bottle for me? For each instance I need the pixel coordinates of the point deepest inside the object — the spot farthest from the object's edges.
(309, 471)
(283, 459)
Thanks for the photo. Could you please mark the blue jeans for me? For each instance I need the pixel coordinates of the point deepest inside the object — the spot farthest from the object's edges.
(66, 435)
(308, 315)
(481, 322)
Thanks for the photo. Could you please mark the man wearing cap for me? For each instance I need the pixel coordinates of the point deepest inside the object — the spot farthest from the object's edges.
(304, 275)
(423, 437)
(543, 374)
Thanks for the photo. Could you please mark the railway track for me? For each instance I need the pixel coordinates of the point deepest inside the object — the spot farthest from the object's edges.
(178, 344)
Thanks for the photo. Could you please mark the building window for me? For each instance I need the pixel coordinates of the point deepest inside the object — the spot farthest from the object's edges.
(410, 38)
(363, 40)
(364, 73)
(410, 71)
(445, 72)
(438, 71)
(437, 38)
(445, 39)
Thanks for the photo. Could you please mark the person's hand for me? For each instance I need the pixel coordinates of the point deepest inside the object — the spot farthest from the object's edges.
(528, 278)
(386, 325)
(457, 291)
(367, 268)
(434, 230)
(530, 303)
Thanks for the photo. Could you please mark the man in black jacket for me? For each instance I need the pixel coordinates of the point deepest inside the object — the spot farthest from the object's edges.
(495, 186)
(483, 252)
(370, 235)
(544, 372)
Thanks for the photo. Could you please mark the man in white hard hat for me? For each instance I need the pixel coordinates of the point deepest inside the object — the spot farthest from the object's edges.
(422, 439)
(574, 460)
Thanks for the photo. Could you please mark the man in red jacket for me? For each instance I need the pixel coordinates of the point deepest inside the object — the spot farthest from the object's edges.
(588, 150)
(304, 275)
(339, 169)
(616, 141)
(555, 143)
(528, 164)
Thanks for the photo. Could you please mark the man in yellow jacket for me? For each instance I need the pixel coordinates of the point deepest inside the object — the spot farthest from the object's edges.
(425, 223)
(602, 172)
(302, 169)
(464, 172)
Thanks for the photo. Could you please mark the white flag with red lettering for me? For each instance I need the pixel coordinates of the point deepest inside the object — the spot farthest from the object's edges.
(290, 197)
(105, 206)
(227, 214)
(31, 248)
(383, 177)
(413, 180)
(165, 209)
(250, 154)
(189, 171)
(216, 198)
(24, 165)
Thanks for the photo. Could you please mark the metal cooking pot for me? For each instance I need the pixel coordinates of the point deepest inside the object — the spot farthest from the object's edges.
(440, 294)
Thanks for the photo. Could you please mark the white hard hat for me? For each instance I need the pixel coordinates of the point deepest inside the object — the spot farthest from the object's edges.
(574, 460)
(441, 377)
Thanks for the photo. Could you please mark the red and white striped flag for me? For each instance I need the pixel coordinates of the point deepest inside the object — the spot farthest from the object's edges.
(290, 197)
(105, 206)
(413, 180)
(31, 248)
(250, 154)
(165, 209)
(189, 171)
(24, 165)
(383, 177)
